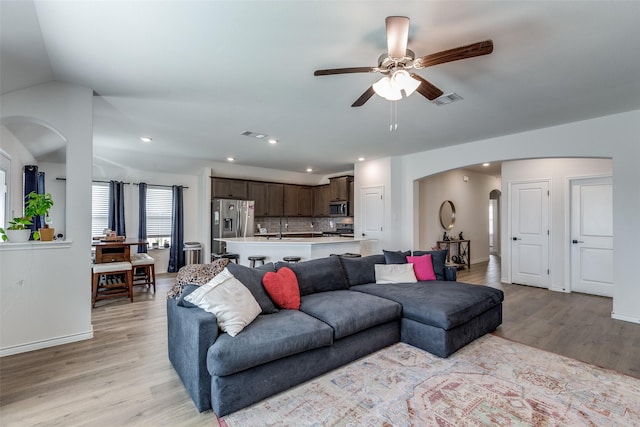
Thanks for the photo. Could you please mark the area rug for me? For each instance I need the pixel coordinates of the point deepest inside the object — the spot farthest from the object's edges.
(490, 382)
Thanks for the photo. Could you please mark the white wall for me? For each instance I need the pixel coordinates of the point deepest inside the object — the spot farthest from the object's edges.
(45, 294)
(557, 172)
(471, 200)
(616, 136)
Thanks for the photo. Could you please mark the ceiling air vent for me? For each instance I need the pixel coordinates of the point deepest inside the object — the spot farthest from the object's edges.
(253, 134)
(447, 98)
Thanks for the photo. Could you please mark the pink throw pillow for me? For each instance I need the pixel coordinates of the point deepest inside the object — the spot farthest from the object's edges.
(282, 287)
(422, 267)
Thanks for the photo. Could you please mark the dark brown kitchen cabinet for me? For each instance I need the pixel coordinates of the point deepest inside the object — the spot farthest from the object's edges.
(298, 200)
(339, 188)
(268, 198)
(321, 196)
(227, 188)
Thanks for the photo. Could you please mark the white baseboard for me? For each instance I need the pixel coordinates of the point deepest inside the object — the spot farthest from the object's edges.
(632, 319)
(37, 345)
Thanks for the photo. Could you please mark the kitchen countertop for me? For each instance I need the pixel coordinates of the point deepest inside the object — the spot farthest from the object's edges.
(289, 239)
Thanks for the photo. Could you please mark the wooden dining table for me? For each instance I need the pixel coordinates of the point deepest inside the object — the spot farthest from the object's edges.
(115, 250)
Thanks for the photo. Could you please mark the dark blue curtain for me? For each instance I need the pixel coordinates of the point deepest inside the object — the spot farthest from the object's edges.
(142, 216)
(176, 254)
(116, 207)
(39, 221)
(30, 179)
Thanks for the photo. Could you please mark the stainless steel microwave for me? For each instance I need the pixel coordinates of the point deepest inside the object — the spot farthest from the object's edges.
(338, 208)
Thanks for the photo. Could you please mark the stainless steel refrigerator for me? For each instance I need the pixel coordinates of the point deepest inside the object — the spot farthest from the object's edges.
(230, 218)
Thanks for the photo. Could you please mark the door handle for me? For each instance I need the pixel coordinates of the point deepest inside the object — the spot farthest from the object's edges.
(577, 241)
(517, 238)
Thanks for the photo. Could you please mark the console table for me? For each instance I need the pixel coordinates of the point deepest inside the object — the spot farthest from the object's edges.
(463, 251)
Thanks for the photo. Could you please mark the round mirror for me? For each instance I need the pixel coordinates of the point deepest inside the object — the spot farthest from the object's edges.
(447, 214)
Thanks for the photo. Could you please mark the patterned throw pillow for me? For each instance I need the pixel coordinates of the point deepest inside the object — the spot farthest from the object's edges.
(196, 274)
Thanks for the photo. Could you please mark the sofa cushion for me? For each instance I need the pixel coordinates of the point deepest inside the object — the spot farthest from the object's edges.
(229, 300)
(396, 257)
(395, 273)
(252, 279)
(441, 304)
(282, 287)
(422, 267)
(360, 271)
(438, 259)
(318, 275)
(349, 312)
(269, 337)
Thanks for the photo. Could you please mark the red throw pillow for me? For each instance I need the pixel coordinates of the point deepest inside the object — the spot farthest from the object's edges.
(422, 267)
(282, 287)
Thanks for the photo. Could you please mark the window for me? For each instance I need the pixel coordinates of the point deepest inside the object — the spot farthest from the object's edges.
(159, 203)
(99, 208)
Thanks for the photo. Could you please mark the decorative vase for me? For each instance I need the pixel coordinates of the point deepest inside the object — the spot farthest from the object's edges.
(18, 236)
(46, 234)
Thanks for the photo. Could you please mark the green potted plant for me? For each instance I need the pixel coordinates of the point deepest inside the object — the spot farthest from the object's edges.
(17, 231)
(39, 205)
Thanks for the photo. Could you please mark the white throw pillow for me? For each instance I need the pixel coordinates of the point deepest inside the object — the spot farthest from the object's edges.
(395, 273)
(229, 300)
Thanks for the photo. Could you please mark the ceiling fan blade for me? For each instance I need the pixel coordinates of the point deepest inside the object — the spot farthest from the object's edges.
(344, 71)
(397, 36)
(455, 54)
(364, 97)
(426, 89)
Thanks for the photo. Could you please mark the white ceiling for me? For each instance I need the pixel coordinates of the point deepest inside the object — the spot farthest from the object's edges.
(195, 74)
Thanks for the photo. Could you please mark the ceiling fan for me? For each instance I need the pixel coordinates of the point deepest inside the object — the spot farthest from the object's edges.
(394, 65)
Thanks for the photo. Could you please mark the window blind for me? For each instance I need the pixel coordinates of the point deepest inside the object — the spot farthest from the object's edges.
(159, 201)
(99, 208)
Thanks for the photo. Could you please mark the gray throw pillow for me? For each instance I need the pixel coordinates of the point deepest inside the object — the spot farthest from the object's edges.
(396, 257)
(252, 279)
(318, 275)
(361, 271)
(438, 259)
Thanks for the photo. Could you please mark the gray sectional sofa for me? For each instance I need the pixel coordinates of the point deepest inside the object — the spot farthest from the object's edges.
(344, 315)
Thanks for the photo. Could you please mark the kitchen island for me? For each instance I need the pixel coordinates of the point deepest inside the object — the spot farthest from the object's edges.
(305, 247)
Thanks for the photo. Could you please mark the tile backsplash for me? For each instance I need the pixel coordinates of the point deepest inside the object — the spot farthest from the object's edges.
(298, 224)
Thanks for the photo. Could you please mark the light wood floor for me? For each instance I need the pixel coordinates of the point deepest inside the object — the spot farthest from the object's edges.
(123, 376)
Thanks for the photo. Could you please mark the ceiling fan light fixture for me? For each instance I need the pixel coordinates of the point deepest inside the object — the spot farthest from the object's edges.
(402, 80)
(386, 89)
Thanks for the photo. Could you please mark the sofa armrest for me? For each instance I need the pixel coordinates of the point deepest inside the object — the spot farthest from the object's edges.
(450, 273)
(191, 331)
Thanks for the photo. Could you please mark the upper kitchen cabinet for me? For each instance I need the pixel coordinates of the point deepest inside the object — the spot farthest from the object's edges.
(269, 198)
(298, 200)
(339, 188)
(321, 197)
(227, 188)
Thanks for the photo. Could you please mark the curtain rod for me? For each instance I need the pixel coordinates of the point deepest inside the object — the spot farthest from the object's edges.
(128, 183)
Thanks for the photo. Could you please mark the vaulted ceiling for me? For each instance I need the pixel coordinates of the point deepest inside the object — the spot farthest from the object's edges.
(194, 75)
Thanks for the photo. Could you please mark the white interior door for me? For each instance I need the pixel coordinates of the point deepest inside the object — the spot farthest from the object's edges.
(530, 233)
(372, 208)
(592, 236)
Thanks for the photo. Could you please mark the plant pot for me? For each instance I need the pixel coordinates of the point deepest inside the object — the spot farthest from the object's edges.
(46, 234)
(18, 236)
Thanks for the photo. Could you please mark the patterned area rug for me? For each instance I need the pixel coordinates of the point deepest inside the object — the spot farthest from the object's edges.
(490, 382)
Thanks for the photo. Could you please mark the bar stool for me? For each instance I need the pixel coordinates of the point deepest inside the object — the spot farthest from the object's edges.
(230, 257)
(111, 289)
(291, 258)
(145, 263)
(254, 258)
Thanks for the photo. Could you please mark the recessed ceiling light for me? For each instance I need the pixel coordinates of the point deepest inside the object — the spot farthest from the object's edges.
(273, 141)
(361, 159)
(309, 170)
(146, 139)
(486, 164)
(230, 159)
